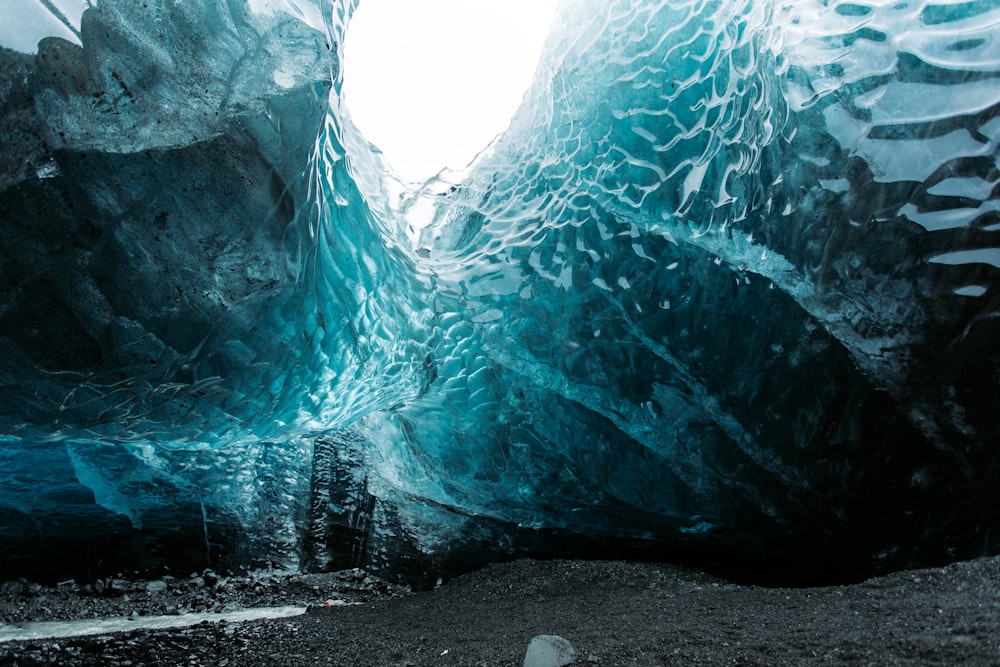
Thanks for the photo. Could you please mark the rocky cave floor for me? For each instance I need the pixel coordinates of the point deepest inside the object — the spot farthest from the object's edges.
(612, 612)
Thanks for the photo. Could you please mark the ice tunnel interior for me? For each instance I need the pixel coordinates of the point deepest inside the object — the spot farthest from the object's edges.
(724, 290)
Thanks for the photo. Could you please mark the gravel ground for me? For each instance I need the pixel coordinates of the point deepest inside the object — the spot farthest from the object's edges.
(614, 613)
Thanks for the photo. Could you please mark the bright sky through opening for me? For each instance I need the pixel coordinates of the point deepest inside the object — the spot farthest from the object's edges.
(431, 83)
(23, 23)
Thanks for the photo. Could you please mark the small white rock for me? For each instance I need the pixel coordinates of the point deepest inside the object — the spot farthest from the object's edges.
(549, 651)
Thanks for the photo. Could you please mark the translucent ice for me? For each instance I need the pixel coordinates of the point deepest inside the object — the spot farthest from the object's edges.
(727, 283)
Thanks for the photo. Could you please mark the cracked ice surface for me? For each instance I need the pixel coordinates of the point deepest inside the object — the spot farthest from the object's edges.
(728, 282)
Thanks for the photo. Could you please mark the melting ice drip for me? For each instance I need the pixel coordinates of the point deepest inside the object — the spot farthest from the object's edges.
(728, 280)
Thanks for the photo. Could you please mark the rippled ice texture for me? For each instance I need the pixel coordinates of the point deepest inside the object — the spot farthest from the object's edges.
(727, 282)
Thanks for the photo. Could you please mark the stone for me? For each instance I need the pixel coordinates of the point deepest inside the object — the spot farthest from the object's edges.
(156, 586)
(549, 651)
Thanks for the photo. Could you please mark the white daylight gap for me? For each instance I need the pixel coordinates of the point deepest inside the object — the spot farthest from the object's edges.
(432, 82)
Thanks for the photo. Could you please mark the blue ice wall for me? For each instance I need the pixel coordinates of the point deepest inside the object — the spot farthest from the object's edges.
(727, 278)
(727, 283)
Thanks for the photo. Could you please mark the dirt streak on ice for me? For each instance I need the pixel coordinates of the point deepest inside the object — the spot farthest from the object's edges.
(97, 626)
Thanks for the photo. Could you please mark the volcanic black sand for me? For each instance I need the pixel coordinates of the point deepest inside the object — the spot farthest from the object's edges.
(613, 613)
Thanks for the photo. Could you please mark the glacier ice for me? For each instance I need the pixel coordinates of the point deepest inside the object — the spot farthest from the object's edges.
(727, 284)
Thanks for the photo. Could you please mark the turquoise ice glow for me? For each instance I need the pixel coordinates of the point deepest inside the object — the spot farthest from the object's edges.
(728, 281)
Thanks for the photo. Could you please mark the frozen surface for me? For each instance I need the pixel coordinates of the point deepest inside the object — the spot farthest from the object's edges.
(99, 626)
(728, 282)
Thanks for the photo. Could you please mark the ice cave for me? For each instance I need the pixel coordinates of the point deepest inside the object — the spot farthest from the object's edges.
(726, 289)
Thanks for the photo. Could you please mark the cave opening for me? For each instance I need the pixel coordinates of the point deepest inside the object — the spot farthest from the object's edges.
(432, 83)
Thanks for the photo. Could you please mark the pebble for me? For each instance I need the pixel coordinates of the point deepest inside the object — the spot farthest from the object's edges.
(156, 586)
(549, 651)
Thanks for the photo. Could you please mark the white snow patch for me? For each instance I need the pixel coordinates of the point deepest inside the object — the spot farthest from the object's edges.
(98, 626)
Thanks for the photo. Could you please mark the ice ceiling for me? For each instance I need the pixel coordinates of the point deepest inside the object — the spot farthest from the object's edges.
(728, 283)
